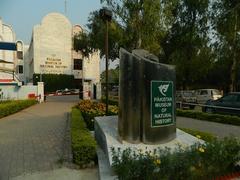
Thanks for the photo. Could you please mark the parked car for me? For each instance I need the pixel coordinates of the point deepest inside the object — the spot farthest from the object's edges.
(66, 91)
(229, 104)
(203, 95)
(186, 99)
(74, 91)
(59, 92)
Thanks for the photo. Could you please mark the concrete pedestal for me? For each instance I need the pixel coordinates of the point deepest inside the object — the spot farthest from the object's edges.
(106, 134)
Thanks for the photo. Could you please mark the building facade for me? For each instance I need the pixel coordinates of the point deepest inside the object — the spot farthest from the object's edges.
(11, 62)
(51, 52)
(50, 48)
(12, 68)
(86, 70)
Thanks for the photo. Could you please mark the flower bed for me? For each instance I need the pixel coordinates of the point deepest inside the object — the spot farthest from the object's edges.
(215, 158)
(200, 161)
(92, 109)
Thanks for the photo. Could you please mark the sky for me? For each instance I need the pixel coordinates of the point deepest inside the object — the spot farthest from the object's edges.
(22, 15)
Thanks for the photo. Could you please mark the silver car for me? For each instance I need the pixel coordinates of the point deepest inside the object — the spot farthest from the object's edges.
(203, 95)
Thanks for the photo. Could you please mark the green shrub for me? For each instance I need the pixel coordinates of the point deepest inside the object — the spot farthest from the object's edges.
(199, 134)
(53, 82)
(200, 161)
(10, 107)
(225, 119)
(110, 101)
(4, 102)
(83, 144)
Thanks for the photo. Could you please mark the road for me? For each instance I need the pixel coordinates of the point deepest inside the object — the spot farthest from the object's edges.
(217, 129)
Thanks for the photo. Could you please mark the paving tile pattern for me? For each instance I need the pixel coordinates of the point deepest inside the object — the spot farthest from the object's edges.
(35, 139)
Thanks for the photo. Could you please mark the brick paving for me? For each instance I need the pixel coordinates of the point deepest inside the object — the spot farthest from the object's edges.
(35, 139)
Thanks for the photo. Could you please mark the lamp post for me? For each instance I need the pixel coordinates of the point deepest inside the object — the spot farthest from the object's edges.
(106, 15)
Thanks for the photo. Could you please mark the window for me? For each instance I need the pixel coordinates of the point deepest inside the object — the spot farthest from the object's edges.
(215, 92)
(19, 54)
(238, 98)
(20, 69)
(77, 64)
(203, 92)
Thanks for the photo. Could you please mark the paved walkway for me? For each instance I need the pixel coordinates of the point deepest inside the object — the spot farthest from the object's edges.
(218, 129)
(33, 139)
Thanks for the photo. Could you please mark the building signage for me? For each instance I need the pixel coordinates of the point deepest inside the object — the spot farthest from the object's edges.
(162, 107)
(8, 46)
(53, 65)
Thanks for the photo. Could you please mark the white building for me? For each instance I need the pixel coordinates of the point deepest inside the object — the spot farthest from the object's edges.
(12, 69)
(11, 62)
(51, 52)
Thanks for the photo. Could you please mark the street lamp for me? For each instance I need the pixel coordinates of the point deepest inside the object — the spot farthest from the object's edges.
(106, 15)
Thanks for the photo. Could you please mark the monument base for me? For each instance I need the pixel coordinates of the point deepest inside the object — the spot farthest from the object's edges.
(106, 135)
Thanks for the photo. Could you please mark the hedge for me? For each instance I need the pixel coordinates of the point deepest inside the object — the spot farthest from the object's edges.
(225, 119)
(53, 82)
(83, 143)
(110, 101)
(10, 107)
(199, 134)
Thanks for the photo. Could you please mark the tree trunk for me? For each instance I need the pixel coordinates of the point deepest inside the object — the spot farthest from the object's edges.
(234, 67)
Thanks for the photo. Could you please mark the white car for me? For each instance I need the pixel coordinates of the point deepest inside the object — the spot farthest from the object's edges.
(203, 95)
(186, 99)
(59, 92)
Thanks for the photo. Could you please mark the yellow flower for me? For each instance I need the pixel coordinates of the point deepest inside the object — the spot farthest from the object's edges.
(201, 149)
(198, 136)
(157, 162)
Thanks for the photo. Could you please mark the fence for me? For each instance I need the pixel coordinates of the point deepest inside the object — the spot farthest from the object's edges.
(181, 105)
(12, 91)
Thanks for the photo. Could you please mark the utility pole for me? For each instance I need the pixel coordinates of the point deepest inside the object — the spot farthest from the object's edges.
(106, 54)
(65, 7)
(106, 15)
(234, 67)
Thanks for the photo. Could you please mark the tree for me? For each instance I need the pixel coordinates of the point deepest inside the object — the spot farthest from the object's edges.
(97, 28)
(142, 21)
(87, 42)
(136, 24)
(82, 42)
(226, 21)
(113, 76)
(186, 44)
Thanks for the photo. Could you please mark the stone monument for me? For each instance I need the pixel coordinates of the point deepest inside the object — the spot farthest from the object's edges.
(147, 111)
(146, 99)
